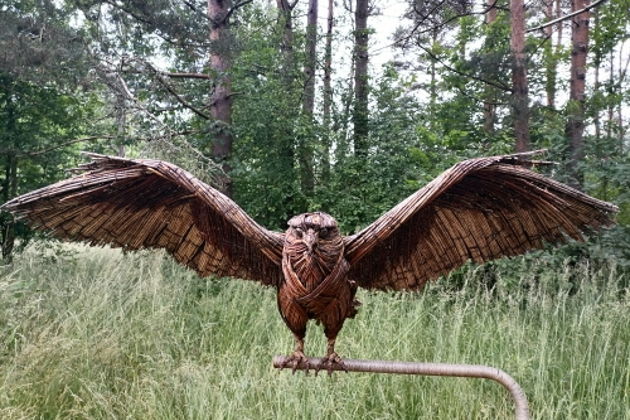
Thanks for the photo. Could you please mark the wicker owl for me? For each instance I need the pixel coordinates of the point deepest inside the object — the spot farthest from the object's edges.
(480, 209)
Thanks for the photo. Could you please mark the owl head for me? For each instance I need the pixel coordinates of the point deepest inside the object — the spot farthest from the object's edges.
(313, 232)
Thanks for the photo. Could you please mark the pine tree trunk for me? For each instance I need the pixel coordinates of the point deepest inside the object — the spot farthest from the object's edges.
(550, 58)
(328, 94)
(286, 44)
(432, 82)
(489, 111)
(311, 57)
(9, 191)
(306, 150)
(597, 61)
(286, 136)
(560, 27)
(121, 124)
(520, 108)
(575, 122)
(221, 98)
(622, 130)
(611, 81)
(360, 112)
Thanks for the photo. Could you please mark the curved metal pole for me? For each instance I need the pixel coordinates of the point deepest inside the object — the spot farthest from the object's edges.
(430, 369)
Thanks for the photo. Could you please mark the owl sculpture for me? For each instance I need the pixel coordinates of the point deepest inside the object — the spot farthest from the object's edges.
(480, 209)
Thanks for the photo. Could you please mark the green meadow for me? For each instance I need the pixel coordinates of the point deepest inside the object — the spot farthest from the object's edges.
(95, 333)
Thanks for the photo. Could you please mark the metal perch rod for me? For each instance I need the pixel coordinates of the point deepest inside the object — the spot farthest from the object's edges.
(429, 369)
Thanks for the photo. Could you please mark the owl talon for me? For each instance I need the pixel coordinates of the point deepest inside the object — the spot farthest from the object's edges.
(295, 361)
(331, 362)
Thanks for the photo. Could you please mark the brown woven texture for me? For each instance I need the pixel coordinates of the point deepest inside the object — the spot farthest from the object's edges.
(479, 210)
(153, 204)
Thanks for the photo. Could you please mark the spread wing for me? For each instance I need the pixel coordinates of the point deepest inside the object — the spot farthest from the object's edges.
(478, 210)
(153, 204)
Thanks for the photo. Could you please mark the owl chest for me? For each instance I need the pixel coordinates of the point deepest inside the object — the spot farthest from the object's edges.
(309, 272)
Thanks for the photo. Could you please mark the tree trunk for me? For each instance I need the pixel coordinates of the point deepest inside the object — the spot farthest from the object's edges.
(597, 61)
(360, 111)
(520, 109)
(432, 82)
(286, 44)
(121, 124)
(328, 94)
(489, 111)
(575, 122)
(551, 61)
(622, 70)
(286, 139)
(9, 191)
(221, 98)
(9, 184)
(306, 150)
(560, 24)
(311, 58)
(343, 145)
(611, 81)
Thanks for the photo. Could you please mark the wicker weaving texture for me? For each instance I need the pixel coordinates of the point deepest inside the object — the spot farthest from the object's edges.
(479, 210)
(152, 204)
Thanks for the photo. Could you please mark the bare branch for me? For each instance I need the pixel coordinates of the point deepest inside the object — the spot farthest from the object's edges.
(194, 9)
(146, 21)
(172, 91)
(569, 16)
(414, 30)
(60, 145)
(139, 104)
(461, 73)
(184, 75)
(235, 7)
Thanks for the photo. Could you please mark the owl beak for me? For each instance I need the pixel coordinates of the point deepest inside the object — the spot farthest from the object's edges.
(310, 240)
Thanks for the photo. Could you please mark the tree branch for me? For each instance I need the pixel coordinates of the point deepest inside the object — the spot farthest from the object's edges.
(234, 8)
(414, 30)
(184, 75)
(569, 16)
(461, 73)
(151, 24)
(194, 9)
(59, 146)
(179, 99)
(158, 74)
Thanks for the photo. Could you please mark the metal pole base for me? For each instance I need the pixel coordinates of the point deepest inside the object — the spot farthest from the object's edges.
(427, 369)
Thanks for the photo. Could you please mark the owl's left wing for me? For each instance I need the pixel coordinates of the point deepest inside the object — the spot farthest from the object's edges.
(479, 210)
(143, 203)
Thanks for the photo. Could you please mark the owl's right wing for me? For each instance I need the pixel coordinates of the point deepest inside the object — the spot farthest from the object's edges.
(153, 204)
(479, 210)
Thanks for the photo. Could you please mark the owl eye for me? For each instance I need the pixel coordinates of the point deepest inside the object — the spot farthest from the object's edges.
(324, 232)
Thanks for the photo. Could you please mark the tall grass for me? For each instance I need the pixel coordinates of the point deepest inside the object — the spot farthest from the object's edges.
(100, 334)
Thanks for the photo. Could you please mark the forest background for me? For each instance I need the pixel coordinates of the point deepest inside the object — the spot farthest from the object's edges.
(282, 106)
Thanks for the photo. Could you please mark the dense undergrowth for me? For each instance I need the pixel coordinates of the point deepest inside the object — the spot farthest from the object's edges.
(96, 333)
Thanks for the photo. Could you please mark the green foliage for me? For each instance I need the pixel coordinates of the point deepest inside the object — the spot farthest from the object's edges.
(46, 103)
(266, 126)
(612, 18)
(36, 122)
